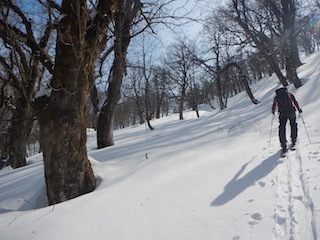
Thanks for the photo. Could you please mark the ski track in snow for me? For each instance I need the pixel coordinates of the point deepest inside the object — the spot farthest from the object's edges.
(294, 213)
(308, 200)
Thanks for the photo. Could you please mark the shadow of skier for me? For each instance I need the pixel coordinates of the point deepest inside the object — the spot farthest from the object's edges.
(236, 186)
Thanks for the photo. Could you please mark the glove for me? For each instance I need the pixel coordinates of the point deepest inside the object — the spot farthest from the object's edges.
(300, 110)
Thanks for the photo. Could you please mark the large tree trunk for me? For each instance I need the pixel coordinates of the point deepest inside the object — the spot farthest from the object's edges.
(291, 70)
(290, 32)
(123, 22)
(63, 116)
(107, 113)
(21, 126)
(105, 126)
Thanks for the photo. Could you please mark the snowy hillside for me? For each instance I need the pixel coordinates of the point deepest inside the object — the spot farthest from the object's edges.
(217, 177)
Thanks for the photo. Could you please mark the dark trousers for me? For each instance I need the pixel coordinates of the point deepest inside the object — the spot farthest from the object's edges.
(283, 118)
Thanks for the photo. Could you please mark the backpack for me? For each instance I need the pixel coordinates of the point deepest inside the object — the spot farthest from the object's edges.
(284, 100)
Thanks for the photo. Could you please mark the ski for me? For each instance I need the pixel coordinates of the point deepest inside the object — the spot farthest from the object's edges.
(283, 153)
(293, 147)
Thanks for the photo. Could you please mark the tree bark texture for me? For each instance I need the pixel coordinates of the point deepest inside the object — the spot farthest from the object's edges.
(21, 126)
(107, 114)
(63, 120)
(63, 115)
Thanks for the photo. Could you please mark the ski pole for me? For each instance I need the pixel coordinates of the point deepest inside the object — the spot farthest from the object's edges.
(304, 124)
(271, 129)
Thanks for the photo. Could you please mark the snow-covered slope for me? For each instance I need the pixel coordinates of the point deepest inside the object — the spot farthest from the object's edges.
(217, 177)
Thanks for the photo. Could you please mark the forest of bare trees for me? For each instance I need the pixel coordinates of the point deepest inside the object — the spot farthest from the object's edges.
(72, 64)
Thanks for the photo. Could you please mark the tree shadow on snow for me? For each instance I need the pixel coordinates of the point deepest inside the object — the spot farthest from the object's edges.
(238, 185)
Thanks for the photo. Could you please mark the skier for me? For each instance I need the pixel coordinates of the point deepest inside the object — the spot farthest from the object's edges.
(284, 100)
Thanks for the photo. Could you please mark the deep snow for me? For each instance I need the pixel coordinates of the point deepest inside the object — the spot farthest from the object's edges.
(216, 177)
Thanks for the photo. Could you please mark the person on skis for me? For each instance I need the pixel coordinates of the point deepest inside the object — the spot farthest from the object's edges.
(287, 104)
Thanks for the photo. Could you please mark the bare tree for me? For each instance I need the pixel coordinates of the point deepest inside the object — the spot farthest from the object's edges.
(81, 37)
(243, 79)
(129, 23)
(146, 87)
(221, 61)
(147, 75)
(160, 81)
(139, 82)
(135, 85)
(217, 44)
(123, 22)
(178, 62)
(267, 26)
(257, 66)
(285, 13)
(126, 114)
(21, 57)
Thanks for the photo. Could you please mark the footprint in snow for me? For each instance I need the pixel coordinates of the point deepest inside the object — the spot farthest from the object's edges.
(279, 220)
(262, 184)
(300, 198)
(256, 218)
(314, 153)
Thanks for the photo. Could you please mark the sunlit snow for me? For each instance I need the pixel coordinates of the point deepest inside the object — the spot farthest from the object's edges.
(216, 177)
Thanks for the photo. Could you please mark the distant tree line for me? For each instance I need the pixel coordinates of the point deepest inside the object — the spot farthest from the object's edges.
(68, 65)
